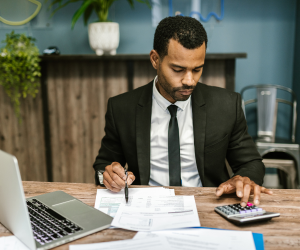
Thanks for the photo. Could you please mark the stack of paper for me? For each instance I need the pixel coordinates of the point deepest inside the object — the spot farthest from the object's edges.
(148, 209)
(151, 210)
(202, 238)
(188, 239)
(11, 243)
(108, 202)
(157, 213)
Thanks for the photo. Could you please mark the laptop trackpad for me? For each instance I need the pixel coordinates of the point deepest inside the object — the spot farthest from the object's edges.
(71, 208)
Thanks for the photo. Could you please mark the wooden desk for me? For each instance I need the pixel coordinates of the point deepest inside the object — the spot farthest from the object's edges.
(279, 233)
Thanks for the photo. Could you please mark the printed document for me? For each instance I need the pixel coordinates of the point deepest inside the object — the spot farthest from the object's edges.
(152, 213)
(202, 238)
(108, 202)
(160, 243)
(12, 243)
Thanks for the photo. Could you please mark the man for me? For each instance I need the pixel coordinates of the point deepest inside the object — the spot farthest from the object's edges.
(177, 131)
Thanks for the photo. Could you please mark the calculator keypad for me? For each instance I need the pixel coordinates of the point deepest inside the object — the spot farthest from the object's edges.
(241, 215)
(237, 209)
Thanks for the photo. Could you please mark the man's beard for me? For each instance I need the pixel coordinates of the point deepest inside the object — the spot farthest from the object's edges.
(172, 91)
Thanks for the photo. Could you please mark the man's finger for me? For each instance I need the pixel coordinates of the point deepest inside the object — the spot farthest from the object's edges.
(256, 198)
(246, 195)
(119, 170)
(239, 188)
(220, 190)
(108, 186)
(131, 178)
(266, 191)
(114, 180)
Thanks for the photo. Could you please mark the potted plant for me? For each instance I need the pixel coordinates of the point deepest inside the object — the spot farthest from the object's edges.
(19, 68)
(103, 34)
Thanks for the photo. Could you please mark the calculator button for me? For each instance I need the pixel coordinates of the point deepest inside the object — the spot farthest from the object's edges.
(249, 204)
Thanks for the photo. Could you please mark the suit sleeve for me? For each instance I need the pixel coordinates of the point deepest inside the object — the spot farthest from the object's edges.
(111, 148)
(242, 154)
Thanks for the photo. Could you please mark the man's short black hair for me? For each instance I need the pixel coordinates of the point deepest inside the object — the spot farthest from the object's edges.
(188, 31)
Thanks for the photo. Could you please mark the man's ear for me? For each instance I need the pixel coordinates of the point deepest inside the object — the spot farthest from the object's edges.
(154, 58)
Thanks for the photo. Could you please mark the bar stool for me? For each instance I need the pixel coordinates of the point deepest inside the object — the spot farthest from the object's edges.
(287, 166)
(266, 142)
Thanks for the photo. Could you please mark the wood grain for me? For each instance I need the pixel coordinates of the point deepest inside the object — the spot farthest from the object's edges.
(25, 140)
(78, 92)
(143, 73)
(279, 233)
(214, 73)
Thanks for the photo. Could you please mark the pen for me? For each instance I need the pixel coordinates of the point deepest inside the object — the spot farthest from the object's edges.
(126, 186)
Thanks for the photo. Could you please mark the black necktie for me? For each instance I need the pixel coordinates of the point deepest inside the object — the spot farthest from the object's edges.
(174, 148)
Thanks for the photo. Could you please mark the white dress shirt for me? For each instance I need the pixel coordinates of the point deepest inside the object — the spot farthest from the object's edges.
(159, 160)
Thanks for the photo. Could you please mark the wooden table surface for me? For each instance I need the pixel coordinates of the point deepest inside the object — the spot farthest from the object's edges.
(279, 233)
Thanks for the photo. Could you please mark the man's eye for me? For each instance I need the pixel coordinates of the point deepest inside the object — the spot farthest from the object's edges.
(197, 70)
(177, 70)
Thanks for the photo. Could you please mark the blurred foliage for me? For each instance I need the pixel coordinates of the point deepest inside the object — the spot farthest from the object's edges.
(87, 7)
(19, 68)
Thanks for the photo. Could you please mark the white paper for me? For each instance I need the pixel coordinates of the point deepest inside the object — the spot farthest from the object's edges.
(12, 243)
(160, 243)
(108, 202)
(201, 238)
(157, 213)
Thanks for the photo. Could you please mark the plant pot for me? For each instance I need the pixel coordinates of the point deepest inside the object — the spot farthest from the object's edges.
(104, 37)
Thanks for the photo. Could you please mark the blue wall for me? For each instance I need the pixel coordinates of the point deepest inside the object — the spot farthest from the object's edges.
(265, 30)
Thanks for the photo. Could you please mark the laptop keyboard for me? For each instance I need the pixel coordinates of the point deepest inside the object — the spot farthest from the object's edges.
(48, 225)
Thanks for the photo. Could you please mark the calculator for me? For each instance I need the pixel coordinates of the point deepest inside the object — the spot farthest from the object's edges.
(241, 215)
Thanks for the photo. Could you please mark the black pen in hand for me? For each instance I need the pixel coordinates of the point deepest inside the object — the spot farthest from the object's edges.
(126, 186)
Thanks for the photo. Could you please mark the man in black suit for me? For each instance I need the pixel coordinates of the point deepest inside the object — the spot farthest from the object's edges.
(177, 131)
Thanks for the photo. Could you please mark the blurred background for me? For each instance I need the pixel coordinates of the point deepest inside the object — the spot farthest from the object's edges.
(249, 43)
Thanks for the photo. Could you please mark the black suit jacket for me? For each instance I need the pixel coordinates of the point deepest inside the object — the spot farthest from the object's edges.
(220, 132)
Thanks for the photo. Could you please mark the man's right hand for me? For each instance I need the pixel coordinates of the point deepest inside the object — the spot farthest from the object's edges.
(114, 177)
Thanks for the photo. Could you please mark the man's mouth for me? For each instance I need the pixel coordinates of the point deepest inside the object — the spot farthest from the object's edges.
(186, 92)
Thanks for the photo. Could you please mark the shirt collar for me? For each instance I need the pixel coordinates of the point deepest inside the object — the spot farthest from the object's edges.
(163, 102)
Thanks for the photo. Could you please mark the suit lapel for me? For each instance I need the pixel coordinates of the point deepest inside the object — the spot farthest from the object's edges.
(143, 126)
(199, 124)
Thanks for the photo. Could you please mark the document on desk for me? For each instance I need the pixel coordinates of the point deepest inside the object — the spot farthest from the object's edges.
(12, 243)
(160, 243)
(206, 239)
(108, 202)
(152, 213)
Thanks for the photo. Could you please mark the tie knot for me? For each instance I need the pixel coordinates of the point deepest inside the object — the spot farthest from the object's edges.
(173, 110)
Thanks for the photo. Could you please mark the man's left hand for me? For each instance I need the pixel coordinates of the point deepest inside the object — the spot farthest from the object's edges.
(243, 187)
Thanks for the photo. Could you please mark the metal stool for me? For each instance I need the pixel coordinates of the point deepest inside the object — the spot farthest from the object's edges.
(267, 102)
(287, 166)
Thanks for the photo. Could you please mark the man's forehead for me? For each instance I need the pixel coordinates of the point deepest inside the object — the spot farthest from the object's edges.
(179, 55)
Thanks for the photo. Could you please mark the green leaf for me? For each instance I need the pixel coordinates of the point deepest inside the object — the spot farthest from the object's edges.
(87, 14)
(131, 3)
(60, 5)
(80, 11)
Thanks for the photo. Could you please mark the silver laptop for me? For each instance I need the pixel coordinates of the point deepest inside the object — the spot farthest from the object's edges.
(44, 221)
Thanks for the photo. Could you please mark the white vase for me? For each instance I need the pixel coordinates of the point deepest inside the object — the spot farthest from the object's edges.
(104, 37)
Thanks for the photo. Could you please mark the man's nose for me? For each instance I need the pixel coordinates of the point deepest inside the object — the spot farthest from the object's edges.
(188, 79)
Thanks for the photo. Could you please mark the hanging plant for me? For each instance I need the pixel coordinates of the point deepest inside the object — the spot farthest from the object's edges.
(19, 68)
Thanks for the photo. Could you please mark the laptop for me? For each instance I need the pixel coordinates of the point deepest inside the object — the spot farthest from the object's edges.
(44, 221)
